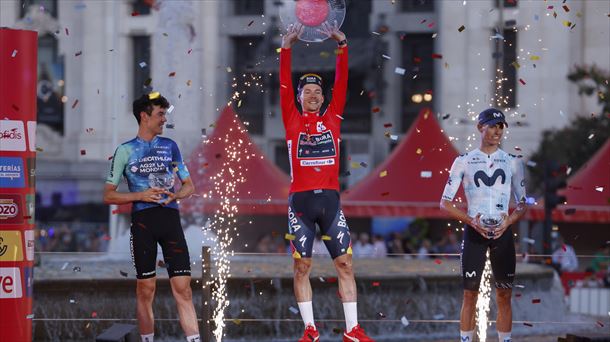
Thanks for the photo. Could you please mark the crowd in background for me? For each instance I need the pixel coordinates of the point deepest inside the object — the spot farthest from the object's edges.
(71, 237)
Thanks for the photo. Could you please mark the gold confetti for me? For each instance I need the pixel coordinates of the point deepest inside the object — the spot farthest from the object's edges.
(534, 58)
(355, 165)
(188, 83)
(516, 64)
(567, 23)
(325, 237)
(419, 151)
(289, 237)
(383, 173)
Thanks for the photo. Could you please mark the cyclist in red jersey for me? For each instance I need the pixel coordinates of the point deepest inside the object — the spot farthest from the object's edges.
(313, 140)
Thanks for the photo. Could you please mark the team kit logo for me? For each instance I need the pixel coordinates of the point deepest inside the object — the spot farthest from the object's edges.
(489, 181)
(10, 283)
(10, 245)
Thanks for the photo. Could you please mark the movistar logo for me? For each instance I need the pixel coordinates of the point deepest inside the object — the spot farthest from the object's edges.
(489, 181)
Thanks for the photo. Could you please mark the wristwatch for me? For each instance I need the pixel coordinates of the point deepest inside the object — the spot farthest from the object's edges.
(342, 43)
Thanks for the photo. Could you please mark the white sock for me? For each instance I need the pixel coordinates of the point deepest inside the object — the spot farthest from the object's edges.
(193, 338)
(466, 336)
(504, 336)
(148, 338)
(306, 310)
(351, 315)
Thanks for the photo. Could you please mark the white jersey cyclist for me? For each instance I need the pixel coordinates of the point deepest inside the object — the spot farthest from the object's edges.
(487, 180)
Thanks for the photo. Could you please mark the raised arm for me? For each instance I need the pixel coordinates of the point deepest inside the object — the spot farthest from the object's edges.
(339, 94)
(286, 88)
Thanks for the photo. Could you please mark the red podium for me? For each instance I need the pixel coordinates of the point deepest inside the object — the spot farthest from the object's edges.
(18, 79)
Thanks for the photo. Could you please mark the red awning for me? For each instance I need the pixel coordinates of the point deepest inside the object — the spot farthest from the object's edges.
(587, 193)
(411, 181)
(217, 163)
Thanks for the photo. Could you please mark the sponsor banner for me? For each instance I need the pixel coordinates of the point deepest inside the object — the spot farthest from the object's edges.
(10, 245)
(28, 280)
(11, 172)
(12, 135)
(29, 244)
(10, 283)
(11, 211)
(30, 172)
(32, 135)
(30, 202)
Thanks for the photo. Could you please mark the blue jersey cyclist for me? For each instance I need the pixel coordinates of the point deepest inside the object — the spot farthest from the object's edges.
(488, 175)
(148, 163)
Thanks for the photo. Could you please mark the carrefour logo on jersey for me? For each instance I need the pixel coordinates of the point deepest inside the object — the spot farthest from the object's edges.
(12, 135)
(11, 172)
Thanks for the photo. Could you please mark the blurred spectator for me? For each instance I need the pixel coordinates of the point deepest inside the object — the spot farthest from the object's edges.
(363, 248)
(564, 257)
(601, 259)
(449, 245)
(395, 245)
(264, 245)
(424, 250)
(380, 250)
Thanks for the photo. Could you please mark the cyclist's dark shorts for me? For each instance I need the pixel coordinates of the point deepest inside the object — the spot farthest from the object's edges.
(501, 255)
(321, 207)
(158, 225)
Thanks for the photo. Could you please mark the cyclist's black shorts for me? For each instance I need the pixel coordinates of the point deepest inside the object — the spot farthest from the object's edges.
(321, 207)
(158, 225)
(501, 255)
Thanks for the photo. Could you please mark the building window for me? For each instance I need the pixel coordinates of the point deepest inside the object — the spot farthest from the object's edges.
(418, 80)
(357, 23)
(506, 53)
(249, 7)
(247, 86)
(142, 7)
(358, 108)
(417, 5)
(141, 65)
(506, 3)
(50, 97)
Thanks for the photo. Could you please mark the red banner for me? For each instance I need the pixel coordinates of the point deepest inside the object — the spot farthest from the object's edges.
(18, 77)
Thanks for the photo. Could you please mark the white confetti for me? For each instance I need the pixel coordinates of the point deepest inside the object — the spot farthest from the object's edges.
(65, 265)
(339, 116)
(72, 301)
(386, 56)
(393, 137)
(519, 286)
(434, 35)
(404, 321)
(425, 174)
(293, 310)
(14, 53)
(591, 136)
(438, 316)
(170, 109)
(399, 71)
(529, 240)
(376, 33)
(142, 65)
(531, 163)
(30, 316)
(497, 36)
(599, 188)
(321, 279)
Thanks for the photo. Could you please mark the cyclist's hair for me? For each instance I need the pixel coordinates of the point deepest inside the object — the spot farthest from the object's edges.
(145, 104)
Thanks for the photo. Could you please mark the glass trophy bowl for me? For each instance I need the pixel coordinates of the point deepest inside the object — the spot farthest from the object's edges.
(491, 222)
(161, 180)
(311, 13)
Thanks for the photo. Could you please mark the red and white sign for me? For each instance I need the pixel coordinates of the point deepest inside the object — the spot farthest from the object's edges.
(12, 135)
(10, 282)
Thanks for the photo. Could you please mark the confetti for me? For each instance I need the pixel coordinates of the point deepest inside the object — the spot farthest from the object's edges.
(529, 240)
(418, 151)
(83, 152)
(521, 81)
(386, 57)
(142, 65)
(497, 36)
(14, 53)
(90, 130)
(404, 321)
(289, 237)
(536, 301)
(438, 316)
(135, 13)
(383, 174)
(76, 269)
(438, 261)
(383, 194)
(237, 321)
(599, 188)
(78, 53)
(72, 301)
(376, 109)
(381, 315)
(437, 56)
(399, 71)
(67, 32)
(600, 324)
(75, 103)
(425, 174)
(376, 284)
(293, 310)
(363, 164)
(566, 8)
(170, 109)
(387, 125)
(325, 238)
(339, 116)
(516, 64)
(30, 316)
(123, 273)
(531, 163)
(591, 136)
(517, 148)
(94, 314)
(534, 58)
(250, 23)
(189, 82)
(528, 324)
(519, 286)
(462, 28)
(567, 23)
(172, 74)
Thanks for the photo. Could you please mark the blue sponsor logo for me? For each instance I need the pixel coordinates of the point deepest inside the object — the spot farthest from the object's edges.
(11, 172)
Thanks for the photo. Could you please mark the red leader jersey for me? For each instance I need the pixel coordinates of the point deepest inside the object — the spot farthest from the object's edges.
(313, 139)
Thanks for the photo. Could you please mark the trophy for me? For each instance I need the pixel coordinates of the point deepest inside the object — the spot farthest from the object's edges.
(311, 13)
(491, 222)
(161, 180)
